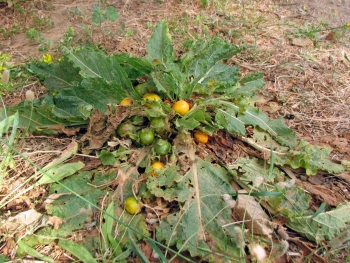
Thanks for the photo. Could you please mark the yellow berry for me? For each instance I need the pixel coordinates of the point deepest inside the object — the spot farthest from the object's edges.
(157, 166)
(181, 107)
(132, 206)
(126, 102)
(151, 96)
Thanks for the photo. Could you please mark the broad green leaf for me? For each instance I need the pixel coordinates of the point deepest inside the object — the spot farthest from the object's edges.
(135, 67)
(112, 13)
(266, 194)
(70, 150)
(277, 129)
(290, 201)
(220, 74)
(203, 56)
(192, 119)
(156, 109)
(249, 85)
(57, 76)
(293, 203)
(169, 82)
(77, 250)
(38, 117)
(164, 84)
(4, 259)
(324, 226)
(228, 120)
(79, 101)
(312, 158)
(75, 210)
(96, 64)
(253, 168)
(160, 46)
(59, 172)
(285, 135)
(113, 158)
(170, 184)
(201, 217)
(255, 117)
(9, 123)
(204, 68)
(97, 16)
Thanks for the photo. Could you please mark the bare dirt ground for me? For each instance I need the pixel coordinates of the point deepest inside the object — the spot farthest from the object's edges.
(307, 75)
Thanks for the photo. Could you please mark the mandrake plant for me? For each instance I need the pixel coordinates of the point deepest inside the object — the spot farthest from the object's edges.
(183, 210)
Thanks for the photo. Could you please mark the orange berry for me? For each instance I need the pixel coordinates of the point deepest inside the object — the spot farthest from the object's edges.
(200, 137)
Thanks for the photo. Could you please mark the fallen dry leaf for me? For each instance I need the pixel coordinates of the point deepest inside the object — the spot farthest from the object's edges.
(55, 221)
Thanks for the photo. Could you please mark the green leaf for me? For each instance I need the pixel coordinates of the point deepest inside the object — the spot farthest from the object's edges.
(77, 250)
(160, 46)
(293, 203)
(78, 102)
(249, 85)
(157, 108)
(107, 158)
(319, 210)
(203, 56)
(135, 67)
(140, 255)
(75, 210)
(169, 184)
(228, 120)
(277, 129)
(169, 82)
(220, 74)
(56, 76)
(96, 64)
(97, 15)
(112, 13)
(164, 84)
(39, 119)
(32, 252)
(324, 226)
(8, 122)
(285, 135)
(70, 150)
(5, 259)
(201, 217)
(107, 225)
(266, 194)
(192, 119)
(253, 168)
(59, 172)
(204, 68)
(312, 158)
(157, 250)
(122, 255)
